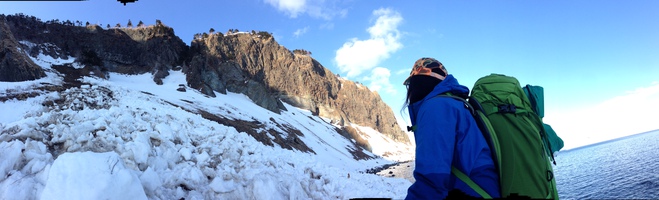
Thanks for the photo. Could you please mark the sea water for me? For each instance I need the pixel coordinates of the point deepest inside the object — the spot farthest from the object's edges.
(625, 168)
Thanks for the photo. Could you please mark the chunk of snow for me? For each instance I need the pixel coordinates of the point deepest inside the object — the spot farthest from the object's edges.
(222, 186)
(88, 175)
(10, 154)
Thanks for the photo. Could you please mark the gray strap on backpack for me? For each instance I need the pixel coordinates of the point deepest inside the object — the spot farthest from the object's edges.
(471, 109)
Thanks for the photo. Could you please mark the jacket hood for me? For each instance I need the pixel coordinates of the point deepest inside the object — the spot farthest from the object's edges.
(450, 84)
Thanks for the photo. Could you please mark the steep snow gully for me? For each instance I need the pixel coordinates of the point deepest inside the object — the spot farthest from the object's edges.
(127, 138)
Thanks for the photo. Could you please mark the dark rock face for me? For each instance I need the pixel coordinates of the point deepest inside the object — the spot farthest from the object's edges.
(211, 69)
(267, 72)
(14, 64)
(159, 75)
(123, 50)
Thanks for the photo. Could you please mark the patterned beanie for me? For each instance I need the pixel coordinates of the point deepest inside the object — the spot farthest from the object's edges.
(427, 67)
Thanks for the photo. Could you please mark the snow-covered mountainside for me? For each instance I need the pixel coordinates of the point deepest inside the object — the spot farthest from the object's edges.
(64, 137)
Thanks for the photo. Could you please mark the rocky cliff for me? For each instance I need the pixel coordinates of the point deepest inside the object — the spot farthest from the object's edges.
(124, 50)
(249, 63)
(259, 67)
(14, 64)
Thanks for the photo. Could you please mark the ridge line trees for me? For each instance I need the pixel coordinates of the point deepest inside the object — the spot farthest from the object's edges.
(302, 52)
(264, 35)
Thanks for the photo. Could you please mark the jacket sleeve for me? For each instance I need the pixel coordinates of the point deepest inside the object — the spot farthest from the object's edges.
(435, 142)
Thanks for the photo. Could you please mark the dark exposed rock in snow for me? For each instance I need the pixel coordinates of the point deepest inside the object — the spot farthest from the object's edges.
(14, 64)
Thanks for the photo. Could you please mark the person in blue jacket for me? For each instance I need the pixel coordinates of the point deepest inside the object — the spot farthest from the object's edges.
(446, 136)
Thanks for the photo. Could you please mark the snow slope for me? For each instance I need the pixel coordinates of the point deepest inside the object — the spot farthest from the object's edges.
(128, 138)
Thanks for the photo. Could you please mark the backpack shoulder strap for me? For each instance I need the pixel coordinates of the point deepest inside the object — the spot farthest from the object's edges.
(464, 178)
(473, 106)
(467, 105)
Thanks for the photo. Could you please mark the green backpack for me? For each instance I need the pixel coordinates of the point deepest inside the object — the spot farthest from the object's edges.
(522, 145)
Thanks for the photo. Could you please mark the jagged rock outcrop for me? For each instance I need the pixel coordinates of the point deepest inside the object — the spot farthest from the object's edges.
(266, 71)
(124, 50)
(14, 64)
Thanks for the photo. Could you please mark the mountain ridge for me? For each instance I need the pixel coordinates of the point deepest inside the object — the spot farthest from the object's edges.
(248, 63)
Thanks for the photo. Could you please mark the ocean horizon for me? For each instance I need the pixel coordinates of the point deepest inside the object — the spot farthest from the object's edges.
(621, 168)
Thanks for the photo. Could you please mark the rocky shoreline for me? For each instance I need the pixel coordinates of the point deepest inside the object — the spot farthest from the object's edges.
(399, 170)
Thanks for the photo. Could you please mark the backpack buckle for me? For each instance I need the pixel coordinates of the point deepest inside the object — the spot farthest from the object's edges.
(411, 128)
(507, 108)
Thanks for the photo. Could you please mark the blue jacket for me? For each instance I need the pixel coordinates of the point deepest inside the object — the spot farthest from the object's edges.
(447, 135)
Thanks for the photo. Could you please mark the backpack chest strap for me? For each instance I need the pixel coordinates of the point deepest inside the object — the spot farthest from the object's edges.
(505, 108)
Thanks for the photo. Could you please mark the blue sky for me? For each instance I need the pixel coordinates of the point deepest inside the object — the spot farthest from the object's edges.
(597, 60)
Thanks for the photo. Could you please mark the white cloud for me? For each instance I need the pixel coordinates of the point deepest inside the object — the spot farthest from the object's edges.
(386, 23)
(291, 7)
(327, 26)
(300, 32)
(632, 113)
(317, 9)
(380, 81)
(357, 56)
(403, 71)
